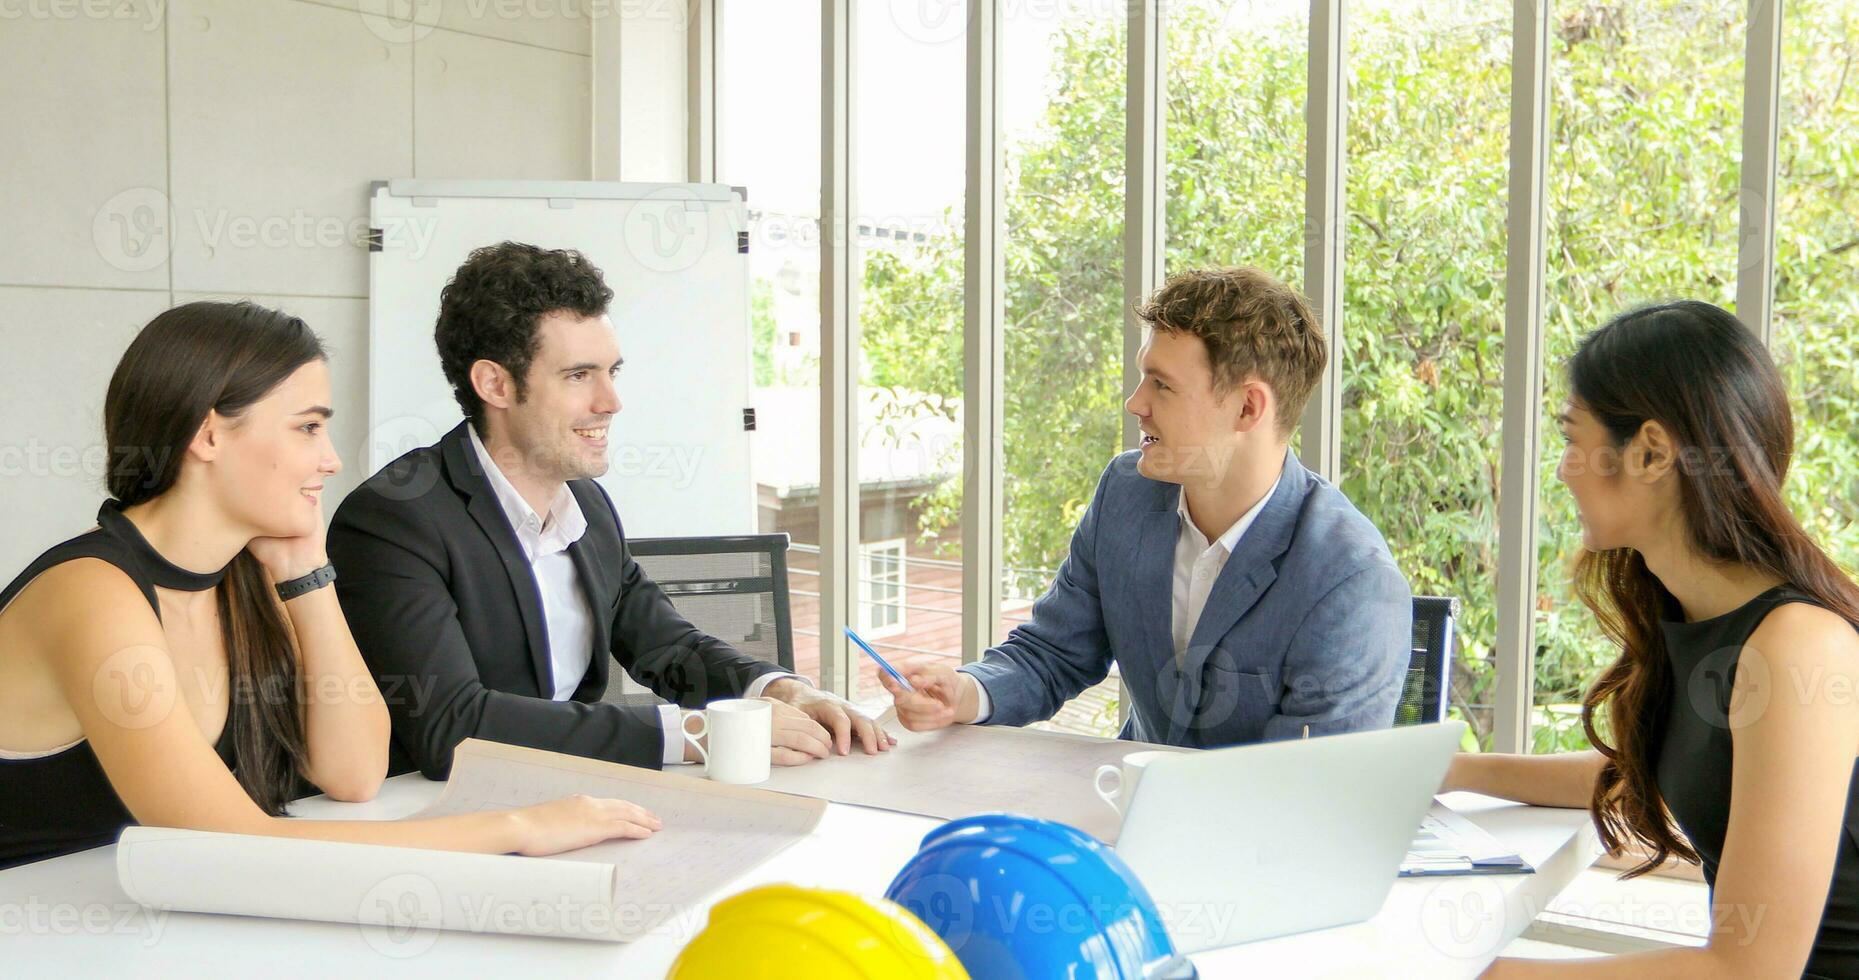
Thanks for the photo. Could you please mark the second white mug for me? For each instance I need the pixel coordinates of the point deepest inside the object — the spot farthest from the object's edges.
(1126, 777)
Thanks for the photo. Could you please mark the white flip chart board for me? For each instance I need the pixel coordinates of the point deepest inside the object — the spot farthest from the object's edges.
(675, 257)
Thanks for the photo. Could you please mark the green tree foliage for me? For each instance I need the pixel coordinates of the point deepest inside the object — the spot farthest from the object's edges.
(762, 324)
(1643, 206)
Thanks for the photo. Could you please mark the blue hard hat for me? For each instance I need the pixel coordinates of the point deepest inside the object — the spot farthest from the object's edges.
(1018, 897)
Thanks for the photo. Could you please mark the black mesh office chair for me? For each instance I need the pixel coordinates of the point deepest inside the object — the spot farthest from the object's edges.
(1425, 694)
(734, 588)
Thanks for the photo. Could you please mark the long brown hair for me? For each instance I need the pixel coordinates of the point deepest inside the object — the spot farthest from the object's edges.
(1697, 371)
(190, 360)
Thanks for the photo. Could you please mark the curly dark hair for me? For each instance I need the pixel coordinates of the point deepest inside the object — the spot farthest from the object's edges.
(490, 309)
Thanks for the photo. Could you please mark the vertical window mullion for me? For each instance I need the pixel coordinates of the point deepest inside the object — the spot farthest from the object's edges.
(839, 345)
(1762, 83)
(984, 272)
(1145, 235)
(1325, 145)
(1518, 495)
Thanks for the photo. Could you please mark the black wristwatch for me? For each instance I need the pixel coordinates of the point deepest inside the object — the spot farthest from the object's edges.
(306, 584)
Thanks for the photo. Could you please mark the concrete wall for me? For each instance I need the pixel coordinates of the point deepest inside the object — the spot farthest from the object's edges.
(160, 151)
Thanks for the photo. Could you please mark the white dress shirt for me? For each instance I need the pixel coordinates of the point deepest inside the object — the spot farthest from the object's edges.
(567, 618)
(1198, 563)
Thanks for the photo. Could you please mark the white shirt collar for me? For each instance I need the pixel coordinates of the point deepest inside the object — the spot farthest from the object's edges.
(1230, 539)
(564, 525)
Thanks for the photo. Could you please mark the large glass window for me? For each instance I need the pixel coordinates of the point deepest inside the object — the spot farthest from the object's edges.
(1817, 266)
(910, 179)
(770, 96)
(1238, 71)
(1423, 307)
(1646, 103)
(1063, 90)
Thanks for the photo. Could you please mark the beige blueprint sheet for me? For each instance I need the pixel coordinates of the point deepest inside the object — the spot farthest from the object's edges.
(616, 891)
(968, 769)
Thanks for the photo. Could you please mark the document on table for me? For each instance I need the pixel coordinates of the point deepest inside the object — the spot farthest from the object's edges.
(617, 890)
(1449, 844)
(968, 769)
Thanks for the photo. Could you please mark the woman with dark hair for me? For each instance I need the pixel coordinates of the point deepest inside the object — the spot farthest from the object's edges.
(183, 663)
(1726, 732)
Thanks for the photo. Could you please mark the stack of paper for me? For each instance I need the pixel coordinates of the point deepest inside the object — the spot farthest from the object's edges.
(1449, 844)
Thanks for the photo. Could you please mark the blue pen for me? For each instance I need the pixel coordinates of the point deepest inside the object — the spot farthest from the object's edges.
(873, 654)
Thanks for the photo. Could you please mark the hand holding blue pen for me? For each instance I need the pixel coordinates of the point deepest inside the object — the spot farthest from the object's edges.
(880, 661)
(940, 696)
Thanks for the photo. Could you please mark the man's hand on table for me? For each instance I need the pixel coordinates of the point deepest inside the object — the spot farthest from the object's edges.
(811, 723)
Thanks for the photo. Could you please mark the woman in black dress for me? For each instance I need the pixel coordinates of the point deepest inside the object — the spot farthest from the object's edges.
(1727, 730)
(184, 664)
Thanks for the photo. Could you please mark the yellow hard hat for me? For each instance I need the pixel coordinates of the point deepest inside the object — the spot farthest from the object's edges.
(789, 931)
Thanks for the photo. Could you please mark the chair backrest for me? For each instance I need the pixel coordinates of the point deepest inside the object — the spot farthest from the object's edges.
(733, 587)
(1427, 690)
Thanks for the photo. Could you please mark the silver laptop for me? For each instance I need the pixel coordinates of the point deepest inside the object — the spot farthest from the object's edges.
(1265, 840)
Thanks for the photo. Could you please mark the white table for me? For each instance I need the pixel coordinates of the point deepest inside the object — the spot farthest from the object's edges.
(67, 917)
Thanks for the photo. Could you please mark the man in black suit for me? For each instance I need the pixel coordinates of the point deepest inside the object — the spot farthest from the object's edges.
(487, 577)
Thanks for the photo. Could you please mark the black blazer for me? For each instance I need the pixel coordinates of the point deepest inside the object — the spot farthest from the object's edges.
(448, 616)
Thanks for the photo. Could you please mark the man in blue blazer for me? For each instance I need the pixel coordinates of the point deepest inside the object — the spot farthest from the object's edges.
(1242, 597)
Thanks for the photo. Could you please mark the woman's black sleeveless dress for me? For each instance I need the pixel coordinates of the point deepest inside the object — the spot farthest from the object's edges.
(62, 802)
(1695, 753)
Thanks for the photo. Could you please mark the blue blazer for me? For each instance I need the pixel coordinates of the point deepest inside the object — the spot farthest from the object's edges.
(1310, 622)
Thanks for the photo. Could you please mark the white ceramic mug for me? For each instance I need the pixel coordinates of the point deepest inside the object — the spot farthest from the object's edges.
(1118, 795)
(741, 732)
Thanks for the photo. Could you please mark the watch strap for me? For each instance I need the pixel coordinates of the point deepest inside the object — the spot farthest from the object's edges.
(305, 584)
